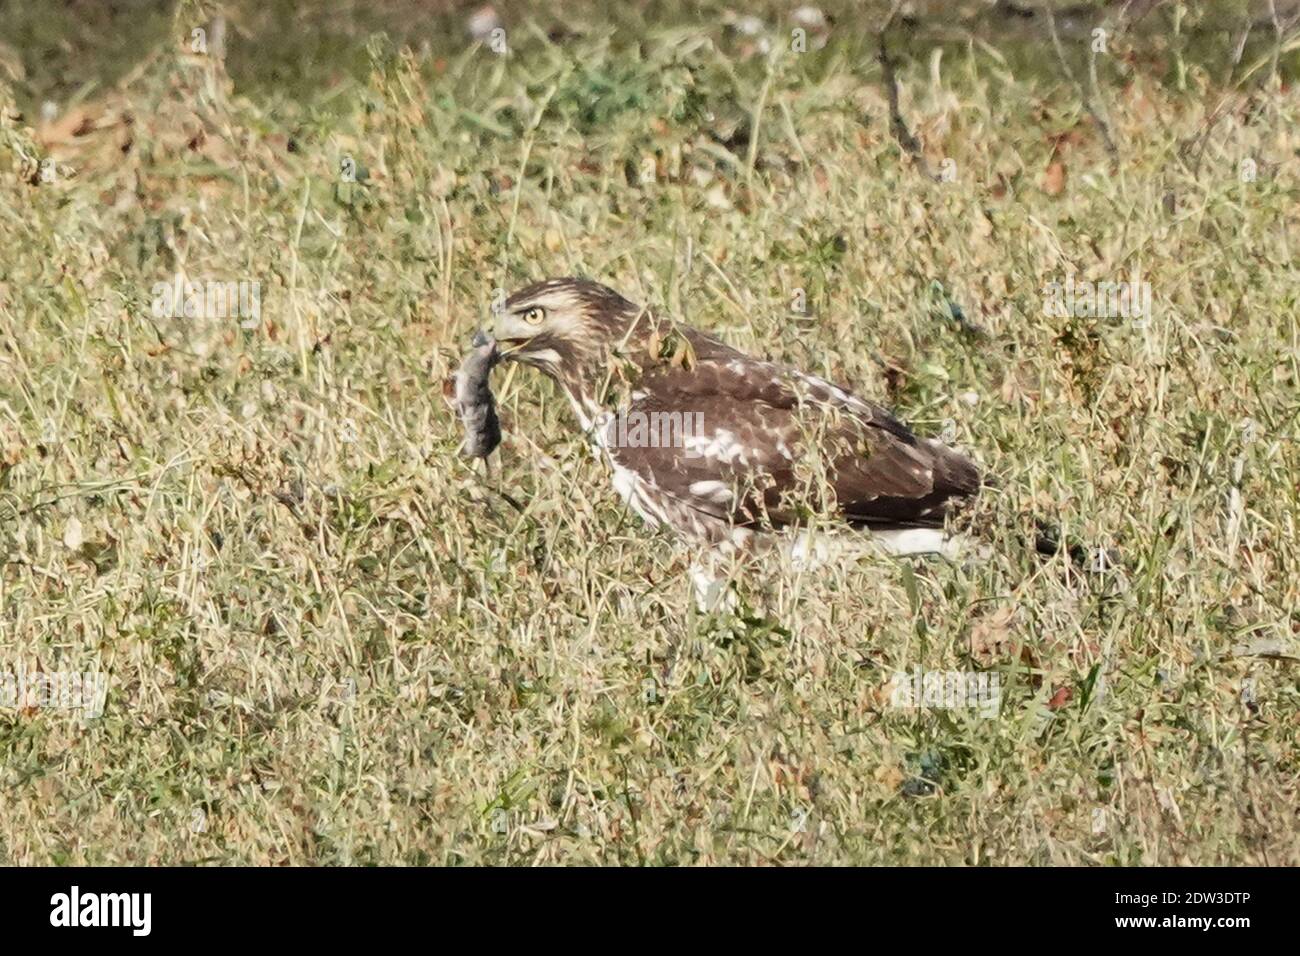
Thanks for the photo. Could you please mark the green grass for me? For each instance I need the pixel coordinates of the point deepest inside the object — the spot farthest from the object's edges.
(329, 640)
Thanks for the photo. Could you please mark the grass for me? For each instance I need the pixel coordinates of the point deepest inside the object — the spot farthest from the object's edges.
(330, 641)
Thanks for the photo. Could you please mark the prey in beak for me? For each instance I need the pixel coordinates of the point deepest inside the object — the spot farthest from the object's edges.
(471, 395)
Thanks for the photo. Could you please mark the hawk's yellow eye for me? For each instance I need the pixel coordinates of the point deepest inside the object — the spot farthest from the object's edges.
(535, 315)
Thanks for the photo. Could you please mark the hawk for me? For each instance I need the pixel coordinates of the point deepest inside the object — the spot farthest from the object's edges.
(721, 447)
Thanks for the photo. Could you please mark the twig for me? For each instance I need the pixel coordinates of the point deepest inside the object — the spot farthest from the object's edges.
(1087, 98)
(897, 125)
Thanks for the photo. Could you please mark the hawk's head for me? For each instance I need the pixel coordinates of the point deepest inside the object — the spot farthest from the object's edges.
(565, 327)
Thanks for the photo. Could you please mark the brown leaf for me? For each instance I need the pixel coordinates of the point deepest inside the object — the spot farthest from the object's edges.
(1054, 178)
(991, 638)
(1060, 697)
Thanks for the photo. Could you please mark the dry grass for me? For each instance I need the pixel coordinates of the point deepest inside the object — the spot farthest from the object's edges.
(328, 640)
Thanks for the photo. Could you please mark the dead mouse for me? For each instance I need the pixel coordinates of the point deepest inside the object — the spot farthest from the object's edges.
(471, 396)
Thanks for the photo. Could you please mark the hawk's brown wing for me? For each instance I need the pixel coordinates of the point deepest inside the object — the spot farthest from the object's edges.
(763, 444)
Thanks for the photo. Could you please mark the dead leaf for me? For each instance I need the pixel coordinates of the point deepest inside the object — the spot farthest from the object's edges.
(991, 638)
(72, 536)
(1060, 697)
(1054, 178)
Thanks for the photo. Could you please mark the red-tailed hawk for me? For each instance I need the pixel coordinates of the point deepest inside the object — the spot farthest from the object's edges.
(718, 445)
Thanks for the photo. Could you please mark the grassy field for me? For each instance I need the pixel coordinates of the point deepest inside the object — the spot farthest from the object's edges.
(329, 640)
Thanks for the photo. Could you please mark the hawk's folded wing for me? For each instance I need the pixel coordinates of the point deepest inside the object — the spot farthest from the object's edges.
(757, 443)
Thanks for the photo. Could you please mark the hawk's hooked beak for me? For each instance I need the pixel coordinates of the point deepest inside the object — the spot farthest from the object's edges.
(511, 335)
